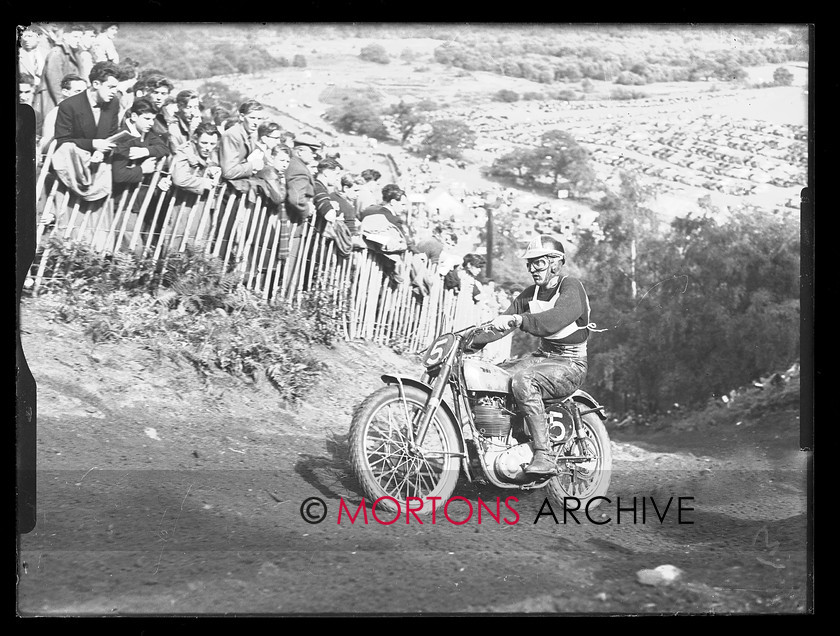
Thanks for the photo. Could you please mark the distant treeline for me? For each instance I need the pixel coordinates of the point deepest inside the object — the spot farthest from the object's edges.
(192, 52)
(623, 58)
(629, 54)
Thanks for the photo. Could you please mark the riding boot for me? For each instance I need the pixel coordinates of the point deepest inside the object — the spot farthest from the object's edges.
(542, 463)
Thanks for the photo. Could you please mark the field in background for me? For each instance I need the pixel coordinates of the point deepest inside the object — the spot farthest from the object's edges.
(734, 144)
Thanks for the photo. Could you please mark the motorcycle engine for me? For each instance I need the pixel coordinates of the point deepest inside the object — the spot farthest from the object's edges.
(492, 418)
(509, 462)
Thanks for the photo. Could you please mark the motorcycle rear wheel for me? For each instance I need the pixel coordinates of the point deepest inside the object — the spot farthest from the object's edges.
(583, 482)
(383, 461)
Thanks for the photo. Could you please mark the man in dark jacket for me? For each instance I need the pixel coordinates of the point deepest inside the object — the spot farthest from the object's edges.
(89, 118)
(326, 182)
(300, 184)
(300, 191)
(137, 155)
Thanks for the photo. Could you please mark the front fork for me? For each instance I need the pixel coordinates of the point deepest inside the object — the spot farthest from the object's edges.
(433, 402)
(577, 414)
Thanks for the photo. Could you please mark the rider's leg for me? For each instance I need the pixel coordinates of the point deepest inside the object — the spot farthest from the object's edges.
(535, 380)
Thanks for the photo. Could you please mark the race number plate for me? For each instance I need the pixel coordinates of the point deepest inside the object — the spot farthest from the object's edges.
(438, 351)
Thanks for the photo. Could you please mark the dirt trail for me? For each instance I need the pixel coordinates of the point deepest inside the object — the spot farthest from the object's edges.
(159, 495)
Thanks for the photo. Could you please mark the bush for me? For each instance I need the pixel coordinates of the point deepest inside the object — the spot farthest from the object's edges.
(627, 93)
(375, 53)
(782, 77)
(566, 95)
(506, 95)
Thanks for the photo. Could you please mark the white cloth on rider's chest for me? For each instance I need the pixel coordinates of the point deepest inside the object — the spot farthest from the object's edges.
(570, 307)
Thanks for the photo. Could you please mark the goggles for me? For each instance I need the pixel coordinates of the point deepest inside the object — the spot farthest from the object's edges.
(538, 264)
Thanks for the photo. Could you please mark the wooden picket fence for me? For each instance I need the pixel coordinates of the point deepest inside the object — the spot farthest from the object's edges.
(240, 231)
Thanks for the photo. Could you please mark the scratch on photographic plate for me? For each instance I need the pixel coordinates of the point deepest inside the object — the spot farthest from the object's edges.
(79, 483)
(174, 527)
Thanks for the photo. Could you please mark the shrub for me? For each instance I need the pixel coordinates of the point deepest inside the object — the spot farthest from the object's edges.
(506, 95)
(782, 77)
(375, 53)
(566, 95)
(627, 93)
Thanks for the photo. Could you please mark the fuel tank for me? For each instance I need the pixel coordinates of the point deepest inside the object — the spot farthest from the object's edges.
(483, 376)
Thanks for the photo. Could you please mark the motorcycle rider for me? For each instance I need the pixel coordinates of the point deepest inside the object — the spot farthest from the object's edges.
(555, 308)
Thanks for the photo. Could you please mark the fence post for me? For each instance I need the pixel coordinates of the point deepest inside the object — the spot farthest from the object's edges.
(234, 238)
(45, 169)
(273, 266)
(162, 236)
(42, 223)
(252, 246)
(121, 216)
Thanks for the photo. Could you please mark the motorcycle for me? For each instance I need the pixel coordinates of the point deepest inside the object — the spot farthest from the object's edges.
(413, 437)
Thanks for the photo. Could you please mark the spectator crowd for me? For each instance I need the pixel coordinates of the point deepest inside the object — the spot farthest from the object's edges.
(105, 125)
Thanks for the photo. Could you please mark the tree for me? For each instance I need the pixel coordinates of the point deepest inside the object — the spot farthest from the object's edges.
(358, 116)
(518, 163)
(409, 116)
(717, 304)
(448, 138)
(218, 93)
(375, 53)
(564, 157)
(782, 77)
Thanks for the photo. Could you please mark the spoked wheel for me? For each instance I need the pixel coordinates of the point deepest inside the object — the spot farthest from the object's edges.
(387, 463)
(585, 466)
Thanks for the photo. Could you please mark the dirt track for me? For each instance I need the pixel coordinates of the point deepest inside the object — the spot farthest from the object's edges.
(202, 513)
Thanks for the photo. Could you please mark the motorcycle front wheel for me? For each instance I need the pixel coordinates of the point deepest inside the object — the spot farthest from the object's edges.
(585, 467)
(384, 460)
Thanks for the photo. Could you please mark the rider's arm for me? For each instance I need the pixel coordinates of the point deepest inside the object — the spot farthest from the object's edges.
(518, 307)
(570, 306)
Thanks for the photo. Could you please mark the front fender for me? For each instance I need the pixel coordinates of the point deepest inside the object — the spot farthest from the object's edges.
(417, 384)
(585, 398)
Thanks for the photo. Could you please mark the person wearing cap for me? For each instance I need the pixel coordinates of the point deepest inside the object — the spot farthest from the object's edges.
(300, 184)
(555, 309)
(300, 191)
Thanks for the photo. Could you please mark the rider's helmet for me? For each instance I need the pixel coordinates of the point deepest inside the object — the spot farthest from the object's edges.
(544, 245)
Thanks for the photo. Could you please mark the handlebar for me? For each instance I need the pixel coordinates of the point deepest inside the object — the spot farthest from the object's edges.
(463, 334)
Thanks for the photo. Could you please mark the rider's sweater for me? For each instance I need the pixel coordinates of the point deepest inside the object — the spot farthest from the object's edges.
(570, 306)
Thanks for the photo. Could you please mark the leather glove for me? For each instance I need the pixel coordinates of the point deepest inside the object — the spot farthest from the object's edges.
(504, 322)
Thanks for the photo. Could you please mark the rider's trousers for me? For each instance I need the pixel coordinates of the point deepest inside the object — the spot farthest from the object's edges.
(537, 377)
